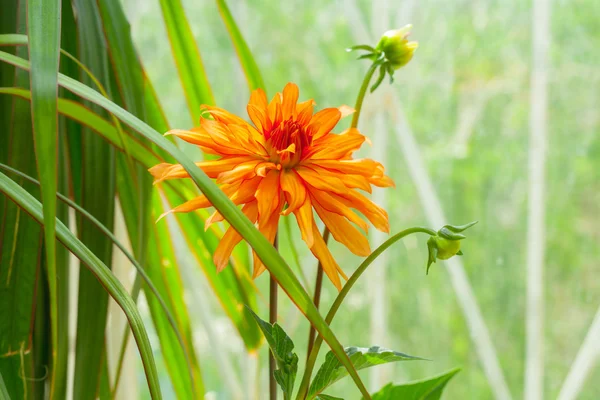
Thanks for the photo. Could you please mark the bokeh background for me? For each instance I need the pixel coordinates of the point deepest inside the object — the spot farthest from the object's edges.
(494, 87)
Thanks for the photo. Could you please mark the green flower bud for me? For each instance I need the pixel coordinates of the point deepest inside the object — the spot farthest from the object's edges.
(446, 243)
(397, 49)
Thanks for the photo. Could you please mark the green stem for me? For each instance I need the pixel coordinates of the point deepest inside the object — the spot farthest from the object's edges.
(319, 280)
(310, 363)
(272, 320)
(361, 94)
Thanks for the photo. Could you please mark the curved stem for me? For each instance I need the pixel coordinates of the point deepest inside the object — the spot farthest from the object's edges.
(319, 280)
(310, 363)
(361, 94)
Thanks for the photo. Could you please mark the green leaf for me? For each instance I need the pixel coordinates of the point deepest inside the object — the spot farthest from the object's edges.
(3, 390)
(187, 57)
(281, 347)
(327, 397)
(85, 116)
(379, 78)
(43, 21)
(459, 228)
(247, 61)
(21, 238)
(265, 250)
(332, 371)
(425, 389)
(362, 47)
(101, 273)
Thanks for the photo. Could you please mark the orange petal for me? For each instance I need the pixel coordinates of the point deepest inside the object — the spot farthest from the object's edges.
(305, 219)
(346, 110)
(191, 205)
(214, 218)
(269, 230)
(304, 112)
(240, 172)
(331, 204)
(329, 183)
(290, 98)
(323, 122)
(274, 110)
(344, 232)
(258, 117)
(332, 146)
(320, 250)
(267, 194)
(294, 189)
(222, 115)
(377, 215)
(245, 191)
(365, 167)
(232, 238)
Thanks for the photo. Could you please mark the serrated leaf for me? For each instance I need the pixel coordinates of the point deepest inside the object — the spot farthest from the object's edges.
(425, 389)
(281, 346)
(361, 357)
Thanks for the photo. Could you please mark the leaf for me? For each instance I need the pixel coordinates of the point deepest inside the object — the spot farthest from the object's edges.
(327, 397)
(109, 282)
(332, 371)
(187, 57)
(425, 389)
(265, 250)
(85, 116)
(247, 61)
(281, 347)
(362, 47)
(21, 239)
(3, 390)
(43, 21)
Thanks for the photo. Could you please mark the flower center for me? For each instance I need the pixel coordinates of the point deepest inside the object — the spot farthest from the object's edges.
(287, 141)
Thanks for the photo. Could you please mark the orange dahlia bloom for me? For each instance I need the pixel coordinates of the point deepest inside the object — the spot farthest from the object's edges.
(286, 162)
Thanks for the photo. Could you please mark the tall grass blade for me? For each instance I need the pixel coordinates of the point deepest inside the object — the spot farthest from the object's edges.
(255, 80)
(187, 57)
(43, 21)
(101, 273)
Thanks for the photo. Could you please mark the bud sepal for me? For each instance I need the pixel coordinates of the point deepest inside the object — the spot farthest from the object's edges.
(446, 243)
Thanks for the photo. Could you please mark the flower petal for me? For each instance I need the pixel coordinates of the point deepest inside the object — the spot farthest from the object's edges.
(323, 122)
(290, 98)
(268, 194)
(294, 190)
(232, 238)
(328, 263)
(331, 204)
(269, 230)
(305, 219)
(344, 232)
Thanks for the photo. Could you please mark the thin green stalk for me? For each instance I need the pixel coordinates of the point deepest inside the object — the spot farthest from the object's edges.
(138, 267)
(310, 363)
(361, 94)
(272, 319)
(319, 280)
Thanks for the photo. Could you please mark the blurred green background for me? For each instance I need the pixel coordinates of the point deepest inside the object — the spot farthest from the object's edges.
(454, 133)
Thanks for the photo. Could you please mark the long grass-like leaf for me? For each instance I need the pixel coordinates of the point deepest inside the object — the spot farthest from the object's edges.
(265, 250)
(43, 21)
(111, 284)
(187, 57)
(255, 80)
(116, 242)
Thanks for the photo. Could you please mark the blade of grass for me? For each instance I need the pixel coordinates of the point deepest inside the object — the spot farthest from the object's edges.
(98, 198)
(43, 21)
(187, 57)
(21, 238)
(265, 250)
(111, 284)
(253, 76)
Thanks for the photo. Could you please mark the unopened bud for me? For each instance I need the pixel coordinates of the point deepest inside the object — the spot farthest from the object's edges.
(397, 49)
(446, 243)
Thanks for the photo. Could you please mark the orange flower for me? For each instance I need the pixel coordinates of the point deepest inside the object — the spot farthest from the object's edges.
(287, 162)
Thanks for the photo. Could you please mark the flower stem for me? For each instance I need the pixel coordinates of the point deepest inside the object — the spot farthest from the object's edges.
(312, 357)
(319, 280)
(317, 297)
(272, 320)
(361, 94)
